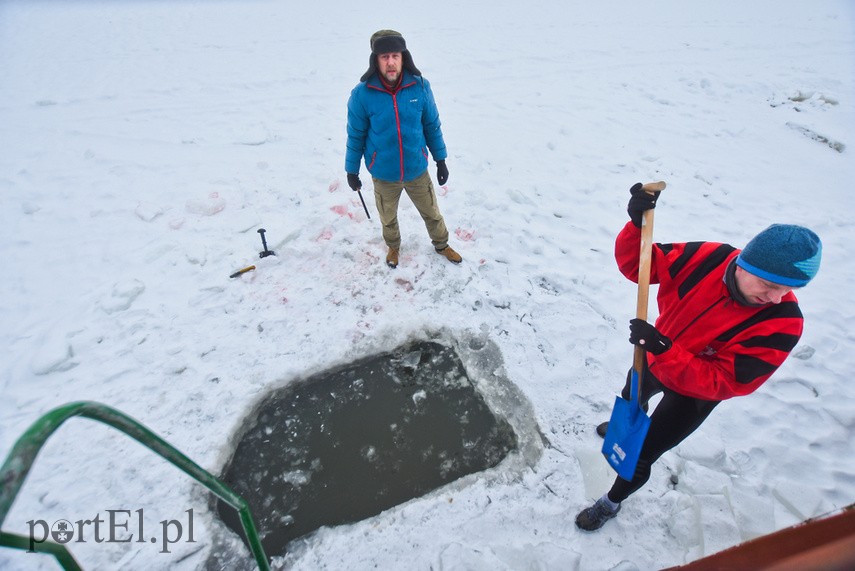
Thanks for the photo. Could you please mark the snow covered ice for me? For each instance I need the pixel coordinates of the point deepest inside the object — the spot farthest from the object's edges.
(143, 144)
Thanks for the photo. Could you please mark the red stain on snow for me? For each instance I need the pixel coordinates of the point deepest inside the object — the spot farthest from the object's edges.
(465, 235)
(325, 234)
(342, 210)
(334, 186)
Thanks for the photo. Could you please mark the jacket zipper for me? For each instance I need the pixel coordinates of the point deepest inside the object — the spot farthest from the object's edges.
(400, 138)
(397, 121)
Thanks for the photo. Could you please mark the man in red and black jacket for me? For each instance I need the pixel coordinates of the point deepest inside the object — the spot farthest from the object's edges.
(727, 320)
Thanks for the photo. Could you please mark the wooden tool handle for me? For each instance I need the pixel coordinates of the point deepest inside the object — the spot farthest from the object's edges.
(644, 259)
(242, 271)
(652, 187)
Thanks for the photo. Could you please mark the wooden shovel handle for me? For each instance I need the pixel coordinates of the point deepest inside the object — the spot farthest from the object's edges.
(644, 259)
(652, 187)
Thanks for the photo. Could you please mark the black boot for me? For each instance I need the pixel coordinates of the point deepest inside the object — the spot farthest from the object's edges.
(593, 518)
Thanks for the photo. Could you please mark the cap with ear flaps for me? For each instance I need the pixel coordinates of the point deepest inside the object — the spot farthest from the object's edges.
(387, 41)
(384, 42)
(784, 254)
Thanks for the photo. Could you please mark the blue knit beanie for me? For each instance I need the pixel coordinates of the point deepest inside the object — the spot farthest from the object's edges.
(784, 254)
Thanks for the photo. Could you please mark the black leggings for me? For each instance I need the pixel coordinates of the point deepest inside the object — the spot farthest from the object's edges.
(674, 418)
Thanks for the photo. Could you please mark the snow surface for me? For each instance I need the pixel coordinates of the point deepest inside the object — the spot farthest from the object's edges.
(142, 144)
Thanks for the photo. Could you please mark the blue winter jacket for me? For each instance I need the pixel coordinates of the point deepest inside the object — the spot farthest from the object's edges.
(393, 131)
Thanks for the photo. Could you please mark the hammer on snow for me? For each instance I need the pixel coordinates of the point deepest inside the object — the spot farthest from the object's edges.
(264, 253)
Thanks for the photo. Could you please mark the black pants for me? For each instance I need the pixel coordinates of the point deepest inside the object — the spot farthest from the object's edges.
(674, 418)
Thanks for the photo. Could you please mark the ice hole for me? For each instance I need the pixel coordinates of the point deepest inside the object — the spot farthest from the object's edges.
(349, 443)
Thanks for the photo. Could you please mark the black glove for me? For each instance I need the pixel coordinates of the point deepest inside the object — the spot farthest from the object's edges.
(353, 181)
(441, 172)
(647, 337)
(641, 200)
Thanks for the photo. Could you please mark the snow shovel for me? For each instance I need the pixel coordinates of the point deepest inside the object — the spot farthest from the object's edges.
(628, 424)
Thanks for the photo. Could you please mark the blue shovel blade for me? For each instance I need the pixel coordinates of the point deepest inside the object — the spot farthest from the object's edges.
(628, 427)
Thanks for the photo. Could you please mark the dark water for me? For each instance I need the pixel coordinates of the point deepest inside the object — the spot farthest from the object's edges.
(349, 443)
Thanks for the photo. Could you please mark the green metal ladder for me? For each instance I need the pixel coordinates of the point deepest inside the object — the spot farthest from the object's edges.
(20, 460)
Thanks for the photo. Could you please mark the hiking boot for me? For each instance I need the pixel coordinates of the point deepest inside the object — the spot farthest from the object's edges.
(593, 518)
(450, 255)
(392, 258)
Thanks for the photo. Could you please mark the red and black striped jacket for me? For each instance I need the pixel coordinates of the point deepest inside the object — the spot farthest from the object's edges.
(721, 349)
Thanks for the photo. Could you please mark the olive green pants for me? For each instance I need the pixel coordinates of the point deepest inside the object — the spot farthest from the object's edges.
(387, 195)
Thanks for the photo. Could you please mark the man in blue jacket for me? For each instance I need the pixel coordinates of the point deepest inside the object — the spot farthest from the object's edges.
(392, 122)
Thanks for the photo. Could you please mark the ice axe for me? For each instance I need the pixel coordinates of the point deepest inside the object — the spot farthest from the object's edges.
(359, 192)
(264, 253)
(628, 424)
